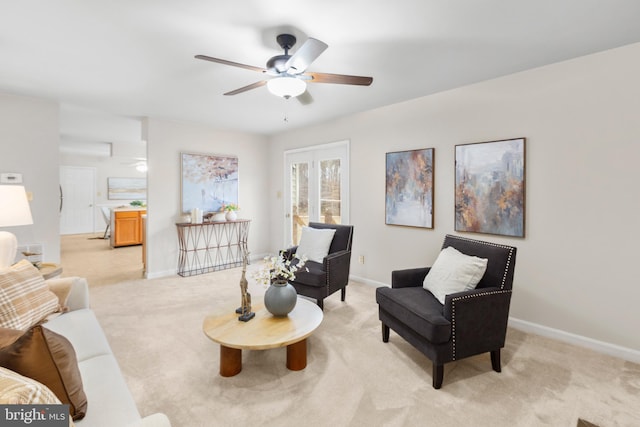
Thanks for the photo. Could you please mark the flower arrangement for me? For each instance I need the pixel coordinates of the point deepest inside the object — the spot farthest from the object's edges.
(230, 207)
(279, 268)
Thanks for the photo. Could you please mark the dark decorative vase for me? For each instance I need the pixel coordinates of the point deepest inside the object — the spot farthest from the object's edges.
(280, 298)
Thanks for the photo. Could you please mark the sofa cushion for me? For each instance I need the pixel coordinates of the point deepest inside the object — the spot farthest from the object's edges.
(48, 358)
(83, 330)
(25, 299)
(62, 289)
(418, 309)
(16, 389)
(454, 272)
(105, 385)
(314, 275)
(315, 243)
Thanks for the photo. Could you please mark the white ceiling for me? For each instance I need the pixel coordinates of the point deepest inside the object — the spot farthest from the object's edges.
(136, 57)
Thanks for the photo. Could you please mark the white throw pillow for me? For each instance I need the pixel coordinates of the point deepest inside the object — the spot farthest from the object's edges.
(454, 272)
(315, 243)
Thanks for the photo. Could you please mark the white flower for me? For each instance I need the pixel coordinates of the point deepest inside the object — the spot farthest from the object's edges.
(279, 268)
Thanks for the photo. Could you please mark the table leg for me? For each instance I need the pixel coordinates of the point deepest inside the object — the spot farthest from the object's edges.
(297, 355)
(230, 361)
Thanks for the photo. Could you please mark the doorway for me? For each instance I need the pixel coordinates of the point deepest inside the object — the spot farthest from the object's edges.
(317, 187)
(77, 199)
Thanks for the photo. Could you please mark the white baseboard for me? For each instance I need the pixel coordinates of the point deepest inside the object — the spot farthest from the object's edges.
(579, 340)
(557, 334)
(257, 258)
(159, 274)
(253, 259)
(367, 281)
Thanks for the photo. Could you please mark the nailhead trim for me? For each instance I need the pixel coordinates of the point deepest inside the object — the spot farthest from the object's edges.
(453, 312)
(327, 279)
(501, 291)
(510, 248)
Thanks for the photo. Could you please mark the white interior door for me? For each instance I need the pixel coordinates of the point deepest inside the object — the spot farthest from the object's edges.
(316, 187)
(78, 186)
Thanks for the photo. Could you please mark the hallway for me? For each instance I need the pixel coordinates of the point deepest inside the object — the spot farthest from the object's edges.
(91, 257)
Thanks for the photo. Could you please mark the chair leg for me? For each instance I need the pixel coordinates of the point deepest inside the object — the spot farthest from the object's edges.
(321, 304)
(385, 333)
(495, 360)
(343, 293)
(438, 374)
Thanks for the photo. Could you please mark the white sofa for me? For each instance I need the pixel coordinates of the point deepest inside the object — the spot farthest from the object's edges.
(110, 403)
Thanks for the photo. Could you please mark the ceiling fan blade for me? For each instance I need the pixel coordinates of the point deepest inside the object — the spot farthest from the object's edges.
(248, 87)
(233, 64)
(305, 98)
(342, 79)
(304, 56)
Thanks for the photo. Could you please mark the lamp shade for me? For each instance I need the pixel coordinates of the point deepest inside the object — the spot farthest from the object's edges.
(14, 206)
(14, 210)
(286, 87)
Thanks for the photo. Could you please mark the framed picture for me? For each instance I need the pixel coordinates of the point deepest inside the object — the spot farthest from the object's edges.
(127, 188)
(409, 188)
(490, 187)
(208, 181)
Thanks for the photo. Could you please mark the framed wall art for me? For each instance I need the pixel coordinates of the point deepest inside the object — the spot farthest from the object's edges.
(409, 188)
(127, 188)
(490, 187)
(208, 181)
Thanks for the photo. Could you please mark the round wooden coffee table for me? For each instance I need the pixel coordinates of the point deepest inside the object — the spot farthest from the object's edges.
(263, 332)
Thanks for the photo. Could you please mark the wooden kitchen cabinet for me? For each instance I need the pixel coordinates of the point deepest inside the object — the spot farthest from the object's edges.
(126, 227)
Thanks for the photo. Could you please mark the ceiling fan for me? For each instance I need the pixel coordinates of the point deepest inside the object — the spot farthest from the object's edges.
(140, 164)
(288, 73)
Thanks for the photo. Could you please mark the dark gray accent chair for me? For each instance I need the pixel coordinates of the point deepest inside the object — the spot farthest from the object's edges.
(333, 274)
(469, 323)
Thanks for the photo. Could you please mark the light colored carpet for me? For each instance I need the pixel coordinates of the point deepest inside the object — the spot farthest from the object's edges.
(90, 256)
(352, 377)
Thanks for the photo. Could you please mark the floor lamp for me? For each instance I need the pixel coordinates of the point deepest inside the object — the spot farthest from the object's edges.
(14, 210)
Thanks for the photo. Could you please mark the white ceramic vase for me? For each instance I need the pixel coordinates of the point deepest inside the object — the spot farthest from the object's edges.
(218, 217)
(231, 215)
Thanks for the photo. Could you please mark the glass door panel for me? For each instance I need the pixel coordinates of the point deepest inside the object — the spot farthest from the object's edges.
(330, 195)
(317, 180)
(299, 178)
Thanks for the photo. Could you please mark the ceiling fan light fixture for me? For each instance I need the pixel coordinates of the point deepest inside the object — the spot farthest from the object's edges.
(141, 167)
(286, 86)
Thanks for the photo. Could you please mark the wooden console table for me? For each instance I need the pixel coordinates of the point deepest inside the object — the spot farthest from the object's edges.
(211, 246)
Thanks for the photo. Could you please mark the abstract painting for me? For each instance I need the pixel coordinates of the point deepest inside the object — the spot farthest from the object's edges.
(409, 188)
(127, 188)
(208, 181)
(490, 187)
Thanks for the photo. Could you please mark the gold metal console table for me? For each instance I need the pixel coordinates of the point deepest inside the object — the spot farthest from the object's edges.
(211, 246)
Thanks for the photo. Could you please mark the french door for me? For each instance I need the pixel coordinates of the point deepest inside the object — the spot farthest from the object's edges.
(317, 187)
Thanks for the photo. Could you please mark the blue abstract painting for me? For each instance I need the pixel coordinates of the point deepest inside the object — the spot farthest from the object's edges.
(409, 188)
(208, 181)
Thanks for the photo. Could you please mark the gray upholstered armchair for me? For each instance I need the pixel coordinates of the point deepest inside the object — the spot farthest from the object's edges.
(323, 279)
(468, 323)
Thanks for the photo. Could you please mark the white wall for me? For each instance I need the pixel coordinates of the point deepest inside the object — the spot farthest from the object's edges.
(29, 145)
(165, 141)
(576, 267)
